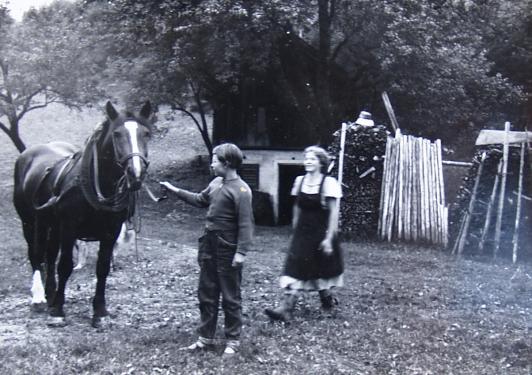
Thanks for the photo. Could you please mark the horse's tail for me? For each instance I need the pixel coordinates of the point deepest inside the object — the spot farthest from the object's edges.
(18, 189)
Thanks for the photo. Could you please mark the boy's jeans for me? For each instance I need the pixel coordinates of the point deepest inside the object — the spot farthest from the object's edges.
(218, 276)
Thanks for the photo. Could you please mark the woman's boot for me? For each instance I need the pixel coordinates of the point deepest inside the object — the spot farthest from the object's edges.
(327, 299)
(283, 312)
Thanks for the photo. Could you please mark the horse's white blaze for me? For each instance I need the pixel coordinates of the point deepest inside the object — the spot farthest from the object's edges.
(132, 127)
(37, 289)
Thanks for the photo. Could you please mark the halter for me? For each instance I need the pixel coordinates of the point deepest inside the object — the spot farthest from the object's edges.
(121, 199)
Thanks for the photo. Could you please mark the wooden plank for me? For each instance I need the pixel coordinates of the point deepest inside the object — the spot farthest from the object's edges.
(490, 137)
(457, 163)
(389, 110)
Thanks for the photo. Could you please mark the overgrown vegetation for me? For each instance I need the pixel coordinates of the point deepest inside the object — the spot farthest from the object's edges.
(450, 67)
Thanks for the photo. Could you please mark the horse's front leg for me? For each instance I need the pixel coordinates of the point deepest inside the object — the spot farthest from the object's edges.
(103, 266)
(64, 270)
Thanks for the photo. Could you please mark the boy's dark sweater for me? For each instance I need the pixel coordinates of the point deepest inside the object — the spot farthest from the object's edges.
(230, 209)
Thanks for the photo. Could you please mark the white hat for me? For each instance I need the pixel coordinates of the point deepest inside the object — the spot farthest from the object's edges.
(364, 119)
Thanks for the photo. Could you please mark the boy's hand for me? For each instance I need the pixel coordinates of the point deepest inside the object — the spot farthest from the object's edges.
(168, 186)
(238, 259)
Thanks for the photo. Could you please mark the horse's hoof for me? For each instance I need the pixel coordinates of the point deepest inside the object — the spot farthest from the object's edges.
(39, 307)
(101, 322)
(57, 321)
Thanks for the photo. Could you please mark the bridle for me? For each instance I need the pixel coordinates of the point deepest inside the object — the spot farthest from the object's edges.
(122, 198)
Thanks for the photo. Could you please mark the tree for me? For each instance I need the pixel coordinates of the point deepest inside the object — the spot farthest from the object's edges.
(44, 60)
(429, 55)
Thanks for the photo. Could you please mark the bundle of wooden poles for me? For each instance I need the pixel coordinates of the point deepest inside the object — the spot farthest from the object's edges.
(412, 205)
(488, 216)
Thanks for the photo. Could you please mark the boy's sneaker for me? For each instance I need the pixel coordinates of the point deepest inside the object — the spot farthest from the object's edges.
(198, 346)
(231, 349)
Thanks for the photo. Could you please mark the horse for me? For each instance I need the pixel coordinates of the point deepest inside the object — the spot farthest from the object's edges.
(63, 194)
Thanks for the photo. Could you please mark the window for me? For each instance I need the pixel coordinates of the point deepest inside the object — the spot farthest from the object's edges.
(250, 174)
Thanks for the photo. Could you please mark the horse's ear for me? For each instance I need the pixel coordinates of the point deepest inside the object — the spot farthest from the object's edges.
(146, 110)
(111, 111)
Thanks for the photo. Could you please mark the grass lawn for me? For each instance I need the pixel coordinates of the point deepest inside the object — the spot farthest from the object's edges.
(405, 309)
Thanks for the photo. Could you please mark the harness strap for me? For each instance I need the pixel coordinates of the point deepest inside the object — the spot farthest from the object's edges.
(133, 154)
(68, 164)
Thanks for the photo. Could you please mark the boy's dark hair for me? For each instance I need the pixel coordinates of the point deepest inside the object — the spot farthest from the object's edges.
(229, 154)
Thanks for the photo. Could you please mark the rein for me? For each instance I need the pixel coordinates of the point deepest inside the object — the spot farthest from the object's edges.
(122, 199)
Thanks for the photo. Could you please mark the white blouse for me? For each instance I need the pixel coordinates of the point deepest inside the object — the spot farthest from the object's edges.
(331, 187)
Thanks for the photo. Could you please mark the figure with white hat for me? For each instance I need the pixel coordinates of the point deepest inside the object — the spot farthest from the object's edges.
(364, 119)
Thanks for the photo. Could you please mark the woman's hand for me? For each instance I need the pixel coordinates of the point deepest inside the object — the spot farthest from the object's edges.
(326, 246)
(238, 259)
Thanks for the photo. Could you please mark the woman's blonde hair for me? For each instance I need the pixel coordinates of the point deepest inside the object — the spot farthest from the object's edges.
(322, 155)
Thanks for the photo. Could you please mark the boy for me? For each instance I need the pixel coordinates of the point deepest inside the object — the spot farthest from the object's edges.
(223, 247)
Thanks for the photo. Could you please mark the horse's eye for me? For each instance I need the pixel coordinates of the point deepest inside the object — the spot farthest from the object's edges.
(117, 134)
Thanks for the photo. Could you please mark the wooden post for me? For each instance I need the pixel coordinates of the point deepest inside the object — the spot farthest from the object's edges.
(471, 207)
(433, 199)
(408, 183)
(422, 190)
(428, 228)
(340, 168)
(401, 192)
(515, 240)
(394, 184)
(415, 190)
(489, 210)
(441, 192)
(384, 196)
(502, 195)
(389, 110)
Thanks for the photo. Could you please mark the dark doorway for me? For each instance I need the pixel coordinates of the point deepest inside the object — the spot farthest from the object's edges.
(287, 175)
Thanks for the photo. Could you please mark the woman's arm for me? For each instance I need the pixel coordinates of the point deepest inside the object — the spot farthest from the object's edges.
(295, 214)
(332, 225)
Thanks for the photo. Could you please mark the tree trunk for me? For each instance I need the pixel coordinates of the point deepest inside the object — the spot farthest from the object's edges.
(13, 134)
(204, 128)
(323, 89)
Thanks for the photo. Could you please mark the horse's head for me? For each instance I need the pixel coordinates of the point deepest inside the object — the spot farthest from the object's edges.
(129, 135)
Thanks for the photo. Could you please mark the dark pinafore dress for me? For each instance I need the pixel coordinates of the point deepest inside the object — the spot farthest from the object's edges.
(306, 266)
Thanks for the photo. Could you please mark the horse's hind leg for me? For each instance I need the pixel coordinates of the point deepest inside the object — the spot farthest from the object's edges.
(64, 270)
(35, 236)
(103, 266)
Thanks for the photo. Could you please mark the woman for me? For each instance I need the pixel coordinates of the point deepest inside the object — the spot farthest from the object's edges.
(314, 260)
